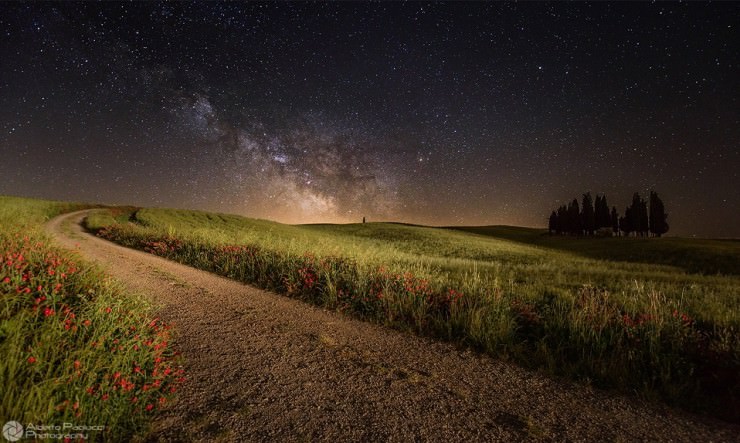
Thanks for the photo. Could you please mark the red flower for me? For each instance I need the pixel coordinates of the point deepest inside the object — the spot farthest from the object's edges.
(31, 360)
(149, 407)
(48, 312)
(6, 280)
(77, 364)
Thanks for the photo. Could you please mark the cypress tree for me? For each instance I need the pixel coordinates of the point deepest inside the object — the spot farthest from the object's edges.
(574, 218)
(638, 215)
(658, 217)
(563, 226)
(602, 214)
(552, 225)
(588, 216)
(615, 220)
(644, 227)
(625, 222)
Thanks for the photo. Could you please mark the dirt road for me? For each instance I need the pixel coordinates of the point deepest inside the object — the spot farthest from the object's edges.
(262, 367)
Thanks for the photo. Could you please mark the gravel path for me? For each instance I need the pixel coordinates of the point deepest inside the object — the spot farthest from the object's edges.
(262, 367)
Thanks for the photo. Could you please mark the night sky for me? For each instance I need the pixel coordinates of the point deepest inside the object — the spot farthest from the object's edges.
(461, 113)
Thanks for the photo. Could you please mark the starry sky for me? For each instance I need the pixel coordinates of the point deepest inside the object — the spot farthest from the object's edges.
(432, 113)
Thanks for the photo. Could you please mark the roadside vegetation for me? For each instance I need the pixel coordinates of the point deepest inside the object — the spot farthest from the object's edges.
(664, 330)
(76, 348)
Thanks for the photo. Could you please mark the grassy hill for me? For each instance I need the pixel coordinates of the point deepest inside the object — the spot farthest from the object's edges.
(524, 260)
(651, 314)
(705, 256)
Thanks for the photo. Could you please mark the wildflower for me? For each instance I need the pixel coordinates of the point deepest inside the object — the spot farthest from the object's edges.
(87, 322)
(48, 312)
(6, 280)
(104, 397)
(31, 360)
(149, 407)
(77, 364)
(107, 310)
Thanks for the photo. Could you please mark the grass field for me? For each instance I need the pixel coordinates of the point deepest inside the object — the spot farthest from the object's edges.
(703, 256)
(75, 347)
(657, 316)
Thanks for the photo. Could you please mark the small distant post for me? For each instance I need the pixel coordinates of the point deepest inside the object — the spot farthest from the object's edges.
(363, 219)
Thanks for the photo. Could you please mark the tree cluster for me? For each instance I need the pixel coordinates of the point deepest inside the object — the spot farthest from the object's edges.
(640, 219)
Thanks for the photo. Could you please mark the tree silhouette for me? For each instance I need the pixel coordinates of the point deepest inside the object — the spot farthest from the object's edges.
(639, 215)
(563, 227)
(644, 226)
(615, 221)
(625, 222)
(603, 220)
(587, 216)
(574, 218)
(552, 225)
(658, 217)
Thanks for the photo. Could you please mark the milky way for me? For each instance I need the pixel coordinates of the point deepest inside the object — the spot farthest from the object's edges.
(313, 170)
(459, 113)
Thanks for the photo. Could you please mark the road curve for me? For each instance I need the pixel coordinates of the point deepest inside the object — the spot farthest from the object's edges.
(263, 367)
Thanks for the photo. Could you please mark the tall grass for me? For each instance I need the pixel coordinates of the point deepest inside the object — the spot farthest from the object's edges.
(651, 328)
(76, 348)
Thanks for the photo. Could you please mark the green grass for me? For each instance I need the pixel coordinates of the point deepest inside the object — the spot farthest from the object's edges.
(701, 256)
(75, 347)
(582, 309)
